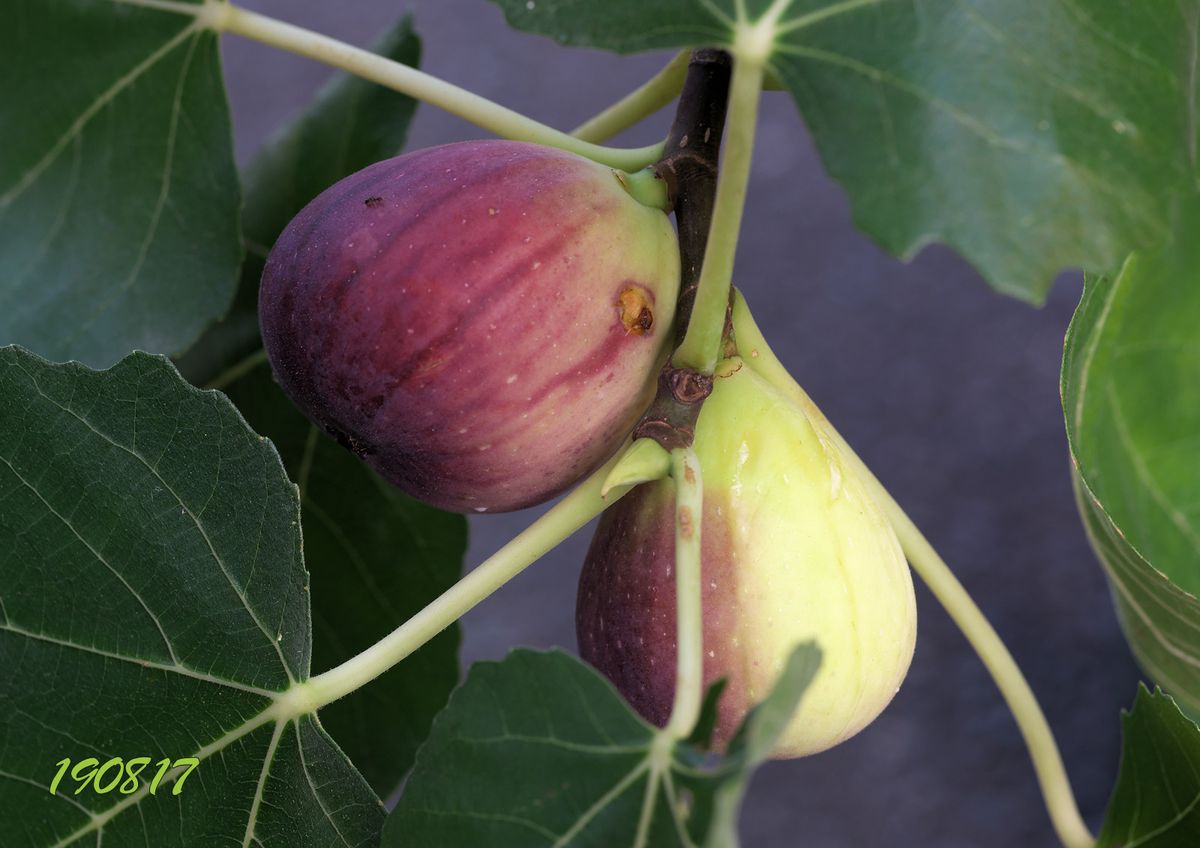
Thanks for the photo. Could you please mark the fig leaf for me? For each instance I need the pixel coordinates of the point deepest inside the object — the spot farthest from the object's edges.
(555, 757)
(1029, 136)
(119, 196)
(375, 558)
(350, 124)
(1131, 395)
(1156, 803)
(154, 603)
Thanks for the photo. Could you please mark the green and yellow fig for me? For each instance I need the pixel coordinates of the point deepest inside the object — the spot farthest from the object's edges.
(793, 547)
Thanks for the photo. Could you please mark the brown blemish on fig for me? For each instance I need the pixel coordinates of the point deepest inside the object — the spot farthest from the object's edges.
(428, 362)
(350, 443)
(687, 526)
(637, 316)
(689, 474)
(665, 433)
(373, 202)
(686, 385)
(721, 374)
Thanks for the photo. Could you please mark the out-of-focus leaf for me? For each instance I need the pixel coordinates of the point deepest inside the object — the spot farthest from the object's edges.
(118, 192)
(1131, 394)
(351, 124)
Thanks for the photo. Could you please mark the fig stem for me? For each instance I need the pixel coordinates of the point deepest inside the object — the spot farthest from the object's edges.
(689, 170)
(689, 165)
(641, 462)
(647, 188)
(700, 349)
(1052, 777)
(643, 101)
(568, 515)
(238, 370)
(689, 639)
(504, 122)
(1039, 738)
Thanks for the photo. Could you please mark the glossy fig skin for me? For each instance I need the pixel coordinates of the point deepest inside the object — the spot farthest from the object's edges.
(793, 547)
(481, 322)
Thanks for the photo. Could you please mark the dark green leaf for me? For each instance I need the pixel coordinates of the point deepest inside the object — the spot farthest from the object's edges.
(350, 125)
(1131, 393)
(706, 724)
(154, 603)
(118, 192)
(718, 794)
(539, 750)
(1157, 800)
(626, 26)
(376, 557)
(1028, 135)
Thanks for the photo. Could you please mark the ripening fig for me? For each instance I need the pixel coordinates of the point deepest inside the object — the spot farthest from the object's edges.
(480, 322)
(793, 548)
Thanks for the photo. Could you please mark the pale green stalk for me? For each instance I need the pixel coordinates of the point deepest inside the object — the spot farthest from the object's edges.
(225, 17)
(689, 641)
(643, 461)
(560, 521)
(238, 370)
(701, 345)
(651, 96)
(1047, 761)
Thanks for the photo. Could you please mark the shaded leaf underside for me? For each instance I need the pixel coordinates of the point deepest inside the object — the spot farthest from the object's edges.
(1131, 392)
(118, 197)
(1156, 803)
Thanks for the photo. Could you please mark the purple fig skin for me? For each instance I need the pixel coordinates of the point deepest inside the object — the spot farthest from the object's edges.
(625, 609)
(480, 322)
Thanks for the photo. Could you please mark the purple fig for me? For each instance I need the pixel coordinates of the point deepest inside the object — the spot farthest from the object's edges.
(481, 322)
(793, 547)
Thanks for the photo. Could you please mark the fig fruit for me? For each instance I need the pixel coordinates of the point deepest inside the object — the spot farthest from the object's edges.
(793, 547)
(481, 322)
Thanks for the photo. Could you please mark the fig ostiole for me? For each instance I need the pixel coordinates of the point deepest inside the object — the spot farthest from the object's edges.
(481, 322)
(793, 548)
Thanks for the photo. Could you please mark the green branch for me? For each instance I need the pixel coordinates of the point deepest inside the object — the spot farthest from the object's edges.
(689, 626)
(1047, 762)
(225, 17)
(701, 345)
(238, 370)
(651, 96)
(560, 521)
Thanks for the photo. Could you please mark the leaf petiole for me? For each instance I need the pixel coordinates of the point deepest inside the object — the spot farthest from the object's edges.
(643, 101)
(504, 122)
(572, 512)
(689, 666)
(701, 345)
(238, 370)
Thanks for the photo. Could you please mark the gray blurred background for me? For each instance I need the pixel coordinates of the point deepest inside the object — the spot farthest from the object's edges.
(949, 392)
